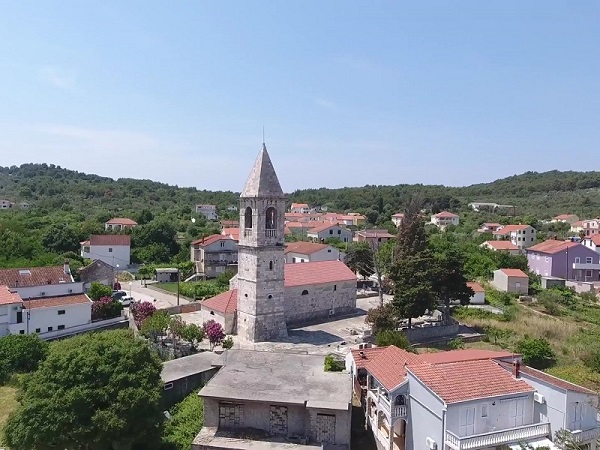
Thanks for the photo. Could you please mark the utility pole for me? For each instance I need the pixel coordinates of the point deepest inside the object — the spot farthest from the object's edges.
(178, 279)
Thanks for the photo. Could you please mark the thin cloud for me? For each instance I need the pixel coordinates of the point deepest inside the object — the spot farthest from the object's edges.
(327, 104)
(57, 77)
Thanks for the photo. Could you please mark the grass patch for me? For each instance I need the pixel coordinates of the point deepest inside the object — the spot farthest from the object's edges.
(8, 400)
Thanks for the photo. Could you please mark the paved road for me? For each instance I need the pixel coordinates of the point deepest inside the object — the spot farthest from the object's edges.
(146, 294)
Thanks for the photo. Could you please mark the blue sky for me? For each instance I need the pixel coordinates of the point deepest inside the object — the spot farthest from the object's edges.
(349, 92)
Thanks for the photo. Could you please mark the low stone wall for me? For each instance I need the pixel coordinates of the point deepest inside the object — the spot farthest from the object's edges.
(418, 334)
(187, 308)
(580, 286)
(100, 325)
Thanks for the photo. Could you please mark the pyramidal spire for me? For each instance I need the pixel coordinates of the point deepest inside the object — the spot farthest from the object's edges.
(263, 181)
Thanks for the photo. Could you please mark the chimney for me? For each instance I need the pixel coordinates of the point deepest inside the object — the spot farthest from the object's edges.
(66, 267)
(516, 368)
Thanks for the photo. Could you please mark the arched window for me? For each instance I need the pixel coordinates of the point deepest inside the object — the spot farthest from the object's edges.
(304, 292)
(248, 218)
(270, 265)
(271, 218)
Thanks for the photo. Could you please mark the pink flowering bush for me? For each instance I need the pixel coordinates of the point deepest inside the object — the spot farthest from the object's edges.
(106, 308)
(214, 332)
(141, 311)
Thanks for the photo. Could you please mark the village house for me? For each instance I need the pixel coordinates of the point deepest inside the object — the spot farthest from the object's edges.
(467, 399)
(213, 255)
(592, 242)
(299, 208)
(275, 400)
(577, 227)
(564, 259)
(113, 249)
(565, 218)
(511, 280)
(445, 218)
(322, 232)
(478, 297)
(5, 204)
(299, 229)
(233, 233)
(296, 252)
(489, 227)
(373, 237)
(42, 300)
(98, 271)
(208, 211)
(522, 236)
(397, 219)
(230, 224)
(119, 224)
(501, 246)
(591, 227)
(24, 205)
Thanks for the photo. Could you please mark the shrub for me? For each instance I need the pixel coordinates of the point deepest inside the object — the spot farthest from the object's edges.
(392, 337)
(550, 301)
(155, 325)
(381, 318)
(227, 343)
(97, 291)
(588, 297)
(214, 331)
(141, 311)
(187, 417)
(456, 343)
(21, 353)
(536, 352)
(193, 334)
(106, 308)
(333, 365)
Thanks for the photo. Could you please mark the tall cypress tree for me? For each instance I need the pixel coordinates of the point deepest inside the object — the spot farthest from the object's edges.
(450, 281)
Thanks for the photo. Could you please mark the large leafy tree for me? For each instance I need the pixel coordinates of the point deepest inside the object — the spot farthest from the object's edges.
(450, 281)
(61, 238)
(359, 258)
(98, 391)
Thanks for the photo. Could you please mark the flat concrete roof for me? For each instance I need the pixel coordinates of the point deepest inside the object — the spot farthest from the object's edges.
(177, 369)
(279, 377)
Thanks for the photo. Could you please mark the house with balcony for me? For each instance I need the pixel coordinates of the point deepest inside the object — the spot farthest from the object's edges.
(467, 399)
(489, 227)
(119, 224)
(208, 211)
(213, 255)
(522, 236)
(299, 208)
(592, 242)
(591, 227)
(373, 237)
(445, 218)
(324, 231)
(564, 259)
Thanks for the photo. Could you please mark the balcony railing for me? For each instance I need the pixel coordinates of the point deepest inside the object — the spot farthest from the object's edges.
(497, 438)
(247, 232)
(270, 233)
(586, 435)
(586, 266)
(384, 404)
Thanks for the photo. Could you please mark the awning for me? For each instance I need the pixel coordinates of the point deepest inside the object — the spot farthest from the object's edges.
(534, 444)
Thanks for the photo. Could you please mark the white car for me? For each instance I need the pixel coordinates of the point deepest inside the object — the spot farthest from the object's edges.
(126, 300)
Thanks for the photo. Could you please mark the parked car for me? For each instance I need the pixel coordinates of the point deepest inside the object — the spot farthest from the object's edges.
(116, 295)
(126, 300)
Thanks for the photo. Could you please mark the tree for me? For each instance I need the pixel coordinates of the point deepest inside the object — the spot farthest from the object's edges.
(22, 353)
(156, 325)
(176, 326)
(381, 318)
(106, 308)
(187, 417)
(359, 258)
(214, 331)
(536, 352)
(227, 343)
(61, 238)
(450, 281)
(193, 334)
(392, 337)
(141, 311)
(96, 391)
(97, 291)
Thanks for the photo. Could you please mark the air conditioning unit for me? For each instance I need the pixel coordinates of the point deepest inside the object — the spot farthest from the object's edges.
(431, 443)
(331, 312)
(537, 397)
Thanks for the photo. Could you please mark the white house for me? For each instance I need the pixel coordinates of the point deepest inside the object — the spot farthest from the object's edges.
(42, 300)
(213, 255)
(208, 211)
(445, 218)
(397, 219)
(467, 399)
(5, 204)
(522, 236)
(329, 230)
(478, 297)
(501, 246)
(592, 242)
(299, 208)
(310, 252)
(113, 249)
(119, 223)
(591, 227)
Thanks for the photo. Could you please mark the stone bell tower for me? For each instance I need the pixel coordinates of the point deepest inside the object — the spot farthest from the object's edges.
(260, 279)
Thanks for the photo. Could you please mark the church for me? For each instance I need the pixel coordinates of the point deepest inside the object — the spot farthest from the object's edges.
(267, 295)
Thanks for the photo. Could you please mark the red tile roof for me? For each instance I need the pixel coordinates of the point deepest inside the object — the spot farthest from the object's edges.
(305, 248)
(552, 380)
(445, 214)
(233, 232)
(210, 240)
(310, 273)
(502, 245)
(468, 380)
(564, 216)
(121, 221)
(226, 302)
(34, 276)
(552, 246)
(515, 273)
(364, 356)
(595, 239)
(110, 239)
(307, 225)
(230, 224)
(578, 224)
(299, 205)
(48, 302)
(7, 297)
(389, 366)
(398, 215)
(475, 286)
(323, 227)
(491, 224)
(375, 234)
(510, 228)
(454, 356)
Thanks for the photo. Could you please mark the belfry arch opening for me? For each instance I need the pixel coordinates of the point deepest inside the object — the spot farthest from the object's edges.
(271, 222)
(248, 218)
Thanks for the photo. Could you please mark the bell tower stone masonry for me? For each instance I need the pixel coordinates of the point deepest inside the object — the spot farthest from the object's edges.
(260, 279)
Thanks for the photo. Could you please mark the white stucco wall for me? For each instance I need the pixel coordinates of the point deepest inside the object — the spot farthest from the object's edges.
(425, 416)
(50, 290)
(47, 318)
(478, 298)
(110, 254)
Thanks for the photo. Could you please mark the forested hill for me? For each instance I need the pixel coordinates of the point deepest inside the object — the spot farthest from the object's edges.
(52, 187)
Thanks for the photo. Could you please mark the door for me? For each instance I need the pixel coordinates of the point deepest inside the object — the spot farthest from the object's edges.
(278, 420)
(577, 413)
(326, 428)
(467, 421)
(515, 411)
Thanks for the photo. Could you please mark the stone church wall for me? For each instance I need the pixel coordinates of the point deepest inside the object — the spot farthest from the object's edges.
(318, 300)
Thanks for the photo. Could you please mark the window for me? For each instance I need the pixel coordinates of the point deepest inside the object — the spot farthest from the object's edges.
(49, 328)
(304, 292)
(109, 249)
(577, 260)
(484, 410)
(168, 386)
(38, 330)
(339, 231)
(588, 273)
(330, 231)
(61, 312)
(222, 244)
(335, 287)
(517, 284)
(588, 260)
(270, 265)
(531, 239)
(20, 317)
(61, 327)
(271, 217)
(248, 218)
(329, 250)
(21, 331)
